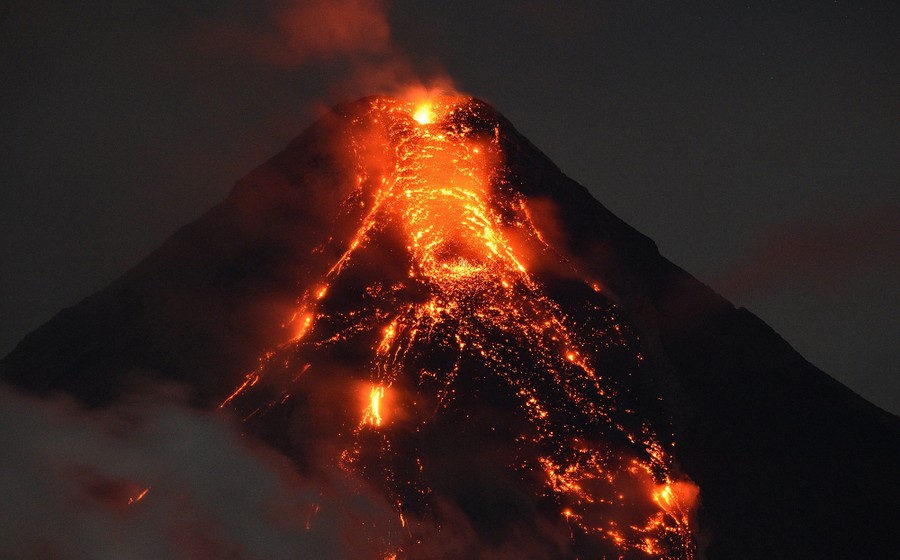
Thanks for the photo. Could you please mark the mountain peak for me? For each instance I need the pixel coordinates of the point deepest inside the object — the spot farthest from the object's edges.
(415, 292)
(442, 309)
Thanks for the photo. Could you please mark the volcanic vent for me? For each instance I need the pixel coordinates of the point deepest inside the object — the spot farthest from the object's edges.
(462, 352)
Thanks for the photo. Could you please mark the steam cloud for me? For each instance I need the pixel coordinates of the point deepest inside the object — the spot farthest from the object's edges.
(70, 473)
(353, 36)
(298, 31)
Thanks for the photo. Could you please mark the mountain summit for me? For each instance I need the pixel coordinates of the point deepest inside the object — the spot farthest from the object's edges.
(414, 293)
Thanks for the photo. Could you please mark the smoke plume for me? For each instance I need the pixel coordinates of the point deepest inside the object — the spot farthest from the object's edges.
(352, 38)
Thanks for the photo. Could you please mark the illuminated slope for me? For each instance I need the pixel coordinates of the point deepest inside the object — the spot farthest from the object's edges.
(454, 316)
(790, 463)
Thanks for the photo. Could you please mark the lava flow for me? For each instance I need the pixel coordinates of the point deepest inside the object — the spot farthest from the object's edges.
(469, 355)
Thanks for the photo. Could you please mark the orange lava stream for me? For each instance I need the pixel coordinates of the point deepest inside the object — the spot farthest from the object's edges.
(439, 193)
(138, 497)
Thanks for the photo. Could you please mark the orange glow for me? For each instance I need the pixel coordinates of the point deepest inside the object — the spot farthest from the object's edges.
(677, 499)
(305, 321)
(138, 497)
(424, 114)
(372, 413)
(469, 243)
(250, 381)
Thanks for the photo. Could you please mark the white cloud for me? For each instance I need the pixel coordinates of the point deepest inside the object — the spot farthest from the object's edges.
(68, 475)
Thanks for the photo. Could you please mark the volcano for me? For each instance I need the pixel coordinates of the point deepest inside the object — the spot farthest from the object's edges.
(413, 291)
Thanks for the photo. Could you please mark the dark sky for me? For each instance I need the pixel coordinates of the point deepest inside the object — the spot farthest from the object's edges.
(756, 142)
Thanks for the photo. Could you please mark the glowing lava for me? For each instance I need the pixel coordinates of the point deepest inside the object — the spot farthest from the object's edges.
(372, 415)
(466, 321)
(138, 497)
(423, 113)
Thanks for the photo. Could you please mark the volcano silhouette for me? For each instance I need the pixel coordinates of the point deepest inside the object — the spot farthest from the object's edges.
(416, 291)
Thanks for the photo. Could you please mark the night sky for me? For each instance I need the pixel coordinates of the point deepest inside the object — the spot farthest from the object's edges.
(756, 142)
